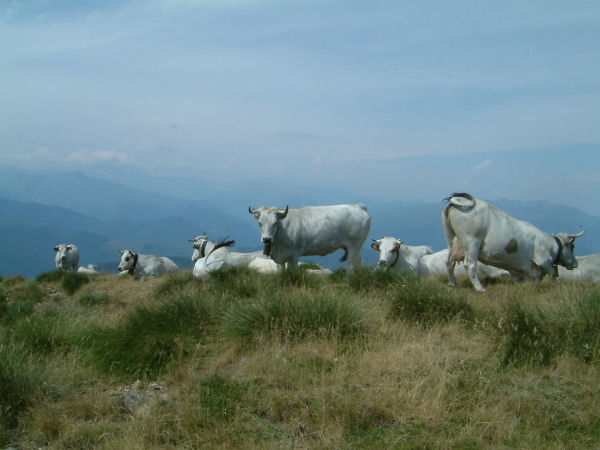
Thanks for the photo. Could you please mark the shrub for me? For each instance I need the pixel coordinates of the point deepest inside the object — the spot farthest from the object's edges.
(148, 338)
(426, 302)
(71, 282)
(297, 316)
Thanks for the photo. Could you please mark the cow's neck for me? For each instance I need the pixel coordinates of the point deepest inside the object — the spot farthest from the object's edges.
(397, 252)
(203, 249)
(135, 261)
(556, 261)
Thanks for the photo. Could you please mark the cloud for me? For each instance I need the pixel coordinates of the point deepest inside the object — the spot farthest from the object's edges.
(94, 156)
(483, 165)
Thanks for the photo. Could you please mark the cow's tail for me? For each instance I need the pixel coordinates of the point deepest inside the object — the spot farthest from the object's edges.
(448, 230)
(461, 200)
(345, 256)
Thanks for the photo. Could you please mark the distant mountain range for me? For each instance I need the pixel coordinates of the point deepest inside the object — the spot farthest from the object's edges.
(40, 210)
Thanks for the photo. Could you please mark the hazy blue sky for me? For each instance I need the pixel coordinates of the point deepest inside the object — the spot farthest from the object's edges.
(336, 92)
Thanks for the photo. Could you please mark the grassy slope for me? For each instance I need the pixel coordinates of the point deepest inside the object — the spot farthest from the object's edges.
(249, 361)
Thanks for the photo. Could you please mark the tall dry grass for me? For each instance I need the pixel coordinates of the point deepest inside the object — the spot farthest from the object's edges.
(364, 359)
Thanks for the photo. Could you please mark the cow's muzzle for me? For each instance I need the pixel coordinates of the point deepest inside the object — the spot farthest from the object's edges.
(267, 248)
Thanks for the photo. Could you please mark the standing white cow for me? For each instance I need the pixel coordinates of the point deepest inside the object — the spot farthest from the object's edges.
(393, 253)
(587, 270)
(144, 266)
(67, 257)
(288, 234)
(490, 235)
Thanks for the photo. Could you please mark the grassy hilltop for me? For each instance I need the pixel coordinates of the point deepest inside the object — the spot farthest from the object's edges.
(362, 360)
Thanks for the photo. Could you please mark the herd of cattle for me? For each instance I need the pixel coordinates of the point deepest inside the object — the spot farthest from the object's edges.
(483, 241)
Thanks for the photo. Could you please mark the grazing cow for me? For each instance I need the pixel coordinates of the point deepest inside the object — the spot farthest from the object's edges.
(144, 266)
(491, 236)
(393, 253)
(587, 270)
(436, 266)
(90, 269)
(288, 234)
(202, 247)
(67, 257)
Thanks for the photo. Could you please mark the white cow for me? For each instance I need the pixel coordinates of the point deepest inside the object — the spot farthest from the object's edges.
(210, 256)
(67, 257)
(144, 266)
(202, 247)
(264, 265)
(393, 253)
(90, 269)
(491, 236)
(288, 234)
(436, 264)
(587, 270)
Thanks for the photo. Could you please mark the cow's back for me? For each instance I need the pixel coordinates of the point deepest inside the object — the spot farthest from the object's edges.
(323, 229)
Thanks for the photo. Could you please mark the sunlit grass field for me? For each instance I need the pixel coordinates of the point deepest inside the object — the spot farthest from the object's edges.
(368, 359)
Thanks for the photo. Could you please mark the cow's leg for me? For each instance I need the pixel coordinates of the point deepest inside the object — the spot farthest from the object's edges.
(354, 258)
(292, 262)
(450, 264)
(471, 255)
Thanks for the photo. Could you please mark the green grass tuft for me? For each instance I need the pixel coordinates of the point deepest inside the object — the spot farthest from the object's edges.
(149, 338)
(49, 277)
(532, 336)
(41, 334)
(71, 282)
(367, 279)
(173, 284)
(17, 387)
(296, 316)
(426, 302)
(95, 299)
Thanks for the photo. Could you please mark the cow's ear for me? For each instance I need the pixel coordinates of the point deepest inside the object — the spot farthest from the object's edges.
(254, 212)
(375, 246)
(397, 245)
(121, 251)
(56, 248)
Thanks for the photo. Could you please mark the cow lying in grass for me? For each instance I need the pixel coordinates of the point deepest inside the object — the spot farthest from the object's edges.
(144, 266)
(90, 269)
(421, 261)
